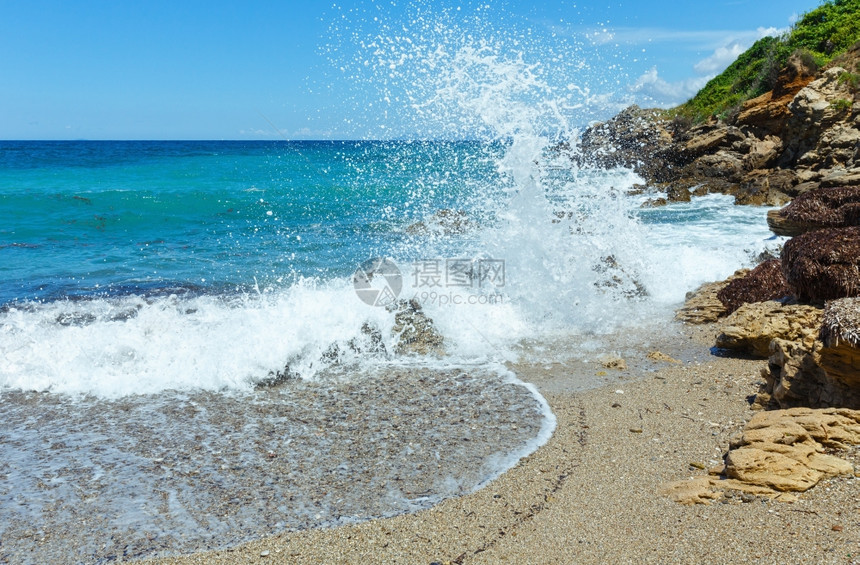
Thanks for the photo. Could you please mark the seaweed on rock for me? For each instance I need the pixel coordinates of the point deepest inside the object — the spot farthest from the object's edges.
(823, 264)
(818, 208)
(841, 322)
(765, 282)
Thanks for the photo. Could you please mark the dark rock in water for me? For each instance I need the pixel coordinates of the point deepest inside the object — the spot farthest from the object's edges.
(443, 222)
(415, 330)
(370, 342)
(823, 264)
(816, 209)
(654, 203)
(613, 276)
(277, 378)
(765, 282)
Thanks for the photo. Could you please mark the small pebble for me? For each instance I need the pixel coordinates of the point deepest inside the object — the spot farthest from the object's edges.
(264, 553)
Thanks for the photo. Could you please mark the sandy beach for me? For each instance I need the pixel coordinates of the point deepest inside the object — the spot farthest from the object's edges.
(590, 495)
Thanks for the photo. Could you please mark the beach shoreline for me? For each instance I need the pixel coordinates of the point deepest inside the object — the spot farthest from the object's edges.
(591, 494)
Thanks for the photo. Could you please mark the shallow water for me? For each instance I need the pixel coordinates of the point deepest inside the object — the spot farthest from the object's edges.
(94, 480)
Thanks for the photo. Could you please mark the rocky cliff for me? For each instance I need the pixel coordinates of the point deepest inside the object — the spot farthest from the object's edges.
(803, 134)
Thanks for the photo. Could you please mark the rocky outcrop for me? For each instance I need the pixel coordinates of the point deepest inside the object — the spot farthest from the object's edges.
(802, 135)
(765, 282)
(625, 139)
(769, 112)
(816, 209)
(702, 306)
(778, 453)
(823, 264)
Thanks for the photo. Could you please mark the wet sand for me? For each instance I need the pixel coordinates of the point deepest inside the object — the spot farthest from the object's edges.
(590, 495)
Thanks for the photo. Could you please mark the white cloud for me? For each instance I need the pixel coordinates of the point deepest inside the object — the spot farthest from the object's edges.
(720, 59)
(653, 90)
(650, 88)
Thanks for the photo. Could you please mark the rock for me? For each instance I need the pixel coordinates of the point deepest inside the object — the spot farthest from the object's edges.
(415, 331)
(702, 305)
(704, 139)
(614, 277)
(443, 222)
(763, 153)
(840, 355)
(634, 138)
(654, 203)
(724, 165)
(794, 378)
(614, 362)
(661, 357)
(817, 209)
(778, 452)
(812, 113)
(765, 282)
(824, 373)
(752, 327)
(769, 111)
(823, 264)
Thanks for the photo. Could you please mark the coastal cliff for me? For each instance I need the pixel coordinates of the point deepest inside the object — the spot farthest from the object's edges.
(801, 135)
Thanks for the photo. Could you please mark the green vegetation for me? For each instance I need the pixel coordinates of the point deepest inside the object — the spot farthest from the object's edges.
(851, 79)
(817, 37)
(841, 105)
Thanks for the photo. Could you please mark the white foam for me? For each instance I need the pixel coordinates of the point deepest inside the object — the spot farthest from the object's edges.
(165, 343)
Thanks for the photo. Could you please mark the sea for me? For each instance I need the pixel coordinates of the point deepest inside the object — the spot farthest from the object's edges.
(205, 342)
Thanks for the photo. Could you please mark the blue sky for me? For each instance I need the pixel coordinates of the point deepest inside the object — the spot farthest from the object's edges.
(258, 69)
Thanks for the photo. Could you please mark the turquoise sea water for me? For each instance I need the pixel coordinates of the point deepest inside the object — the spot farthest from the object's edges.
(99, 217)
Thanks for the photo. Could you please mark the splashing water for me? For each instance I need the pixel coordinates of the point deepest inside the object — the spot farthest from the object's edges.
(579, 256)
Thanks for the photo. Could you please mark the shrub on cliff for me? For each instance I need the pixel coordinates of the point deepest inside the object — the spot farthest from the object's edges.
(765, 282)
(823, 264)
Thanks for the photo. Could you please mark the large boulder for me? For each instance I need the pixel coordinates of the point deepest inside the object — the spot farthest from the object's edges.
(765, 282)
(823, 373)
(752, 327)
(840, 336)
(823, 264)
(817, 209)
(784, 449)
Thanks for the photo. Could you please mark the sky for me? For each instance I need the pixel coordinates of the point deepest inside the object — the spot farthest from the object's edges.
(261, 69)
